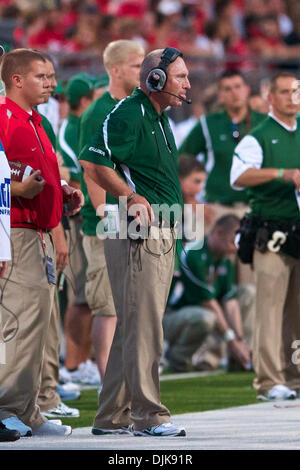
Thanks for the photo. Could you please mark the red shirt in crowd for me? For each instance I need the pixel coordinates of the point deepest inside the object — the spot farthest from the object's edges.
(25, 140)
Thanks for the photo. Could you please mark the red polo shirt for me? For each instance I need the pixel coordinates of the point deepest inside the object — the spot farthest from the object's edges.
(25, 140)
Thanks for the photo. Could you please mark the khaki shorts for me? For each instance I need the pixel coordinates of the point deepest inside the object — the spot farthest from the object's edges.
(97, 289)
(77, 265)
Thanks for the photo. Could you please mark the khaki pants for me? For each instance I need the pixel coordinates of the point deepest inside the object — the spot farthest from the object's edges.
(140, 284)
(29, 296)
(277, 320)
(48, 397)
(97, 288)
(185, 329)
(77, 265)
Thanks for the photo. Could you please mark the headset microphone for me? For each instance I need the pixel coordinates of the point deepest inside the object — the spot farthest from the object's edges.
(188, 101)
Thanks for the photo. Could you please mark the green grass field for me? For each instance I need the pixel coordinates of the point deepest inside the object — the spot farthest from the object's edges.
(183, 396)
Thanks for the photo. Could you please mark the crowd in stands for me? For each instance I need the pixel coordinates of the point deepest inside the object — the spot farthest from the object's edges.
(242, 30)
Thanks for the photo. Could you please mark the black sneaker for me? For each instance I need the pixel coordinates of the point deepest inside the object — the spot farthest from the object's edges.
(7, 435)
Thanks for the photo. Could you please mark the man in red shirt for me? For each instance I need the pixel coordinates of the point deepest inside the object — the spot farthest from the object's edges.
(36, 208)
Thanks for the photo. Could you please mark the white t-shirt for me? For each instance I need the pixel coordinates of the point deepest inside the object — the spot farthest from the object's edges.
(5, 254)
(51, 111)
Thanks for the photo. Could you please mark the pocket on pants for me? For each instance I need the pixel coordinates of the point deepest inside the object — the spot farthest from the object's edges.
(162, 255)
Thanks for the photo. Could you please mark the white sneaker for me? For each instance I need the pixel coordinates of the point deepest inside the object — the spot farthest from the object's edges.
(162, 430)
(51, 429)
(279, 392)
(14, 423)
(64, 375)
(86, 374)
(68, 391)
(92, 373)
(61, 411)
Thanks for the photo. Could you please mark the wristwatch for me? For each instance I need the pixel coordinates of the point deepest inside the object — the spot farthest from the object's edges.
(131, 196)
(229, 335)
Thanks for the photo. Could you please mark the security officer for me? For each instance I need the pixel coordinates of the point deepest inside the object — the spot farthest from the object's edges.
(267, 162)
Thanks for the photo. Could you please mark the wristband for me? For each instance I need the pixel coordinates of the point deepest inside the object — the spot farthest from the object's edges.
(131, 196)
(229, 335)
(279, 176)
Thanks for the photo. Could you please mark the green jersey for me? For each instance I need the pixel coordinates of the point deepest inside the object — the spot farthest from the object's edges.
(48, 129)
(203, 277)
(270, 145)
(215, 137)
(68, 145)
(91, 123)
(139, 140)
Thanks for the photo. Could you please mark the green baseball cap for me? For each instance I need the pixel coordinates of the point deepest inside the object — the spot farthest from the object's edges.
(101, 81)
(5, 48)
(78, 86)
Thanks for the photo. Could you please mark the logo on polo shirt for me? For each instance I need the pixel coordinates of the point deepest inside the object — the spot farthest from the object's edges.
(275, 141)
(93, 149)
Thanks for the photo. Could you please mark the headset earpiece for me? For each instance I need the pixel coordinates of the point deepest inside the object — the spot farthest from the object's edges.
(157, 77)
(156, 80)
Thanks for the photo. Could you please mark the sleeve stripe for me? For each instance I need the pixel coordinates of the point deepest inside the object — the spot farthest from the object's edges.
(191, 276)
(65, 147)
(230, 294)
(105, 124)
(210, 152)
(128, 177)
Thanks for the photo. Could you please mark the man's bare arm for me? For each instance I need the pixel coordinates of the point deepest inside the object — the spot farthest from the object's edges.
(254, 177)
(238, 348)
(233, 315)
(28, 188)
(96, 193)
(109, 179)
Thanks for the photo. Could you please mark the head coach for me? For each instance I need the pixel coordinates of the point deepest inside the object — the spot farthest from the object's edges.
(137, 137)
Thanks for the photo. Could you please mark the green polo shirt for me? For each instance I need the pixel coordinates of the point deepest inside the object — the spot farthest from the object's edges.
(139, 141)
(68, 145)
(203, 277)
(91, 123)
(213, 137)
(280, 148)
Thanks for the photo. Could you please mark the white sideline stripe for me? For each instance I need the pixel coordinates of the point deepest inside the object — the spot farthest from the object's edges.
(66, 148)
(210, 153)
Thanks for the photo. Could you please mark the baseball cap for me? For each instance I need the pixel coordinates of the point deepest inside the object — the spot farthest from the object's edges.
(5, 48)
(78, 86)
(101, 81)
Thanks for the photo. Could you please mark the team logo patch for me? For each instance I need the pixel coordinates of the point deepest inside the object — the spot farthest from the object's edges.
(93, 149)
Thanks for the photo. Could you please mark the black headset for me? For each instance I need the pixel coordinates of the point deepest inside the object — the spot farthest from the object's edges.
(157, 77)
